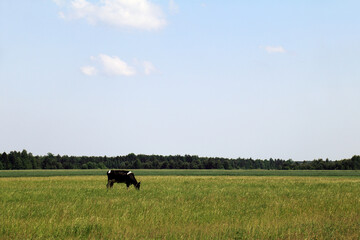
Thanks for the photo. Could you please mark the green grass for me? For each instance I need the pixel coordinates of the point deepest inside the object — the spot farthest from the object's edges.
(182, 172)
(181, 207)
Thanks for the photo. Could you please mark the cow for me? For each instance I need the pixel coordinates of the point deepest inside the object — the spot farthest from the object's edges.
(122, 176)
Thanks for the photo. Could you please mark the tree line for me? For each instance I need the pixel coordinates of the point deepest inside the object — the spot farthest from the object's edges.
(25, 160)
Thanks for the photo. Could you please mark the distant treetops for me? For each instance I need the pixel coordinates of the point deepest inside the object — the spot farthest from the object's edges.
(25, 160)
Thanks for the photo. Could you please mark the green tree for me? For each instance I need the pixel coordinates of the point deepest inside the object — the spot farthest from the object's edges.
(156, 164)
(101, 165)
(49, 162)
(226, 164)
(137, 164)
(92, 165)
(6, 162)
(218, 164)
(356, 162)
(26, 160)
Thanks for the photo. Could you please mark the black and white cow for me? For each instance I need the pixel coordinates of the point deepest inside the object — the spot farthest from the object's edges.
(121, 176)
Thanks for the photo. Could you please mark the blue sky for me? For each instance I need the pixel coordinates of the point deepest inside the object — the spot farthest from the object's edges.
(256, 79)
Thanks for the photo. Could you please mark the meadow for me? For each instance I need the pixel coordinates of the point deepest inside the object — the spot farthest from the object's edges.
(179, 205)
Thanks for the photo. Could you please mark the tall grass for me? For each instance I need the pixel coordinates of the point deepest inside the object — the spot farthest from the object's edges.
(178, 207)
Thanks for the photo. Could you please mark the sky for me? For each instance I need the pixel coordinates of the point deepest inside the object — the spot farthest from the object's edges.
(259, 79)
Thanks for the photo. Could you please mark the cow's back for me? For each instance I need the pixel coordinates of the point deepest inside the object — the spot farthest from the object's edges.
(118, 175)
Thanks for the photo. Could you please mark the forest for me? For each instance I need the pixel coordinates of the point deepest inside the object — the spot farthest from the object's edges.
(25, 160)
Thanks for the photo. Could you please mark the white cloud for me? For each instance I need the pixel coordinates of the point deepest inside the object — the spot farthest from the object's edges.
(148, 68)
(61, 15)
(114, 66)
(88, 70)
(140, 14)
(274, 49)
(59, 2)
(173, 7)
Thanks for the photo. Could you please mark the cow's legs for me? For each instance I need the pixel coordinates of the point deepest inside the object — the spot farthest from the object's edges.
(110, 183)
(128, 185)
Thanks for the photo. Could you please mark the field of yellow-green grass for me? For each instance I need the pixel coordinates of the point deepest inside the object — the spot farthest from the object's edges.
(181, 207)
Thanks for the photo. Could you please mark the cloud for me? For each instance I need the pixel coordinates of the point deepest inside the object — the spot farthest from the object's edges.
(59, 2)
(108, 65)
(139, 14)
(61, 15)
(148, 68)
(173, 7)
(88, 70)
(114, 66)
(274, 49)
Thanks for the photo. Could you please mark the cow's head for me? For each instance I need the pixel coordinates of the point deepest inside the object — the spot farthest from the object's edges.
(137, 186)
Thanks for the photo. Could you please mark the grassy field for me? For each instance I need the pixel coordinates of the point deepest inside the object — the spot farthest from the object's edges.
(181, 207)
